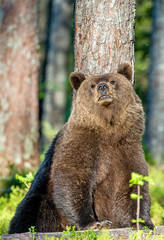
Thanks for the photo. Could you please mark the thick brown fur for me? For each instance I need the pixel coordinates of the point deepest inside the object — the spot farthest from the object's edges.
(94, 156)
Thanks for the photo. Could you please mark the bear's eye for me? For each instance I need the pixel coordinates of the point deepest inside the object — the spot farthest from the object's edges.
(93, 86)
(112, 82)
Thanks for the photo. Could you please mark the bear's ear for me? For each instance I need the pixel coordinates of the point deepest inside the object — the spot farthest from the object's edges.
(76, 78)
(126, 70)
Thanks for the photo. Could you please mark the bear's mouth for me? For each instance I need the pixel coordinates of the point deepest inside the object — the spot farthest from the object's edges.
(106, 97)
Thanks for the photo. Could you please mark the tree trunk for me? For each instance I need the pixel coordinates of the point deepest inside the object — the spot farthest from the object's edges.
(155, 100)
(104, 35)
(18, 91)
(56, 69)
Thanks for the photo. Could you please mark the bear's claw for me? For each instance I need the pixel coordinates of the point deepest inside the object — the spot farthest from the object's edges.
(100, 225)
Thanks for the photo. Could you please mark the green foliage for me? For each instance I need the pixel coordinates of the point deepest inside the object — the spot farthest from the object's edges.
(49, 238)
(137, 179)
(7, 182)
(148, 156)
(48, 130)
(157, 213)
(32, 230)
(25, 180)
(157, 195)
(9, 202)
(135, 196)
(140, 220)
(70, 233)
(145, 236)
(143, 27)
(8, 205)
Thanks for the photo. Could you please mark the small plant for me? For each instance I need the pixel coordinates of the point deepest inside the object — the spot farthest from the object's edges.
(137, 179)
(70, 233)
(32, 230)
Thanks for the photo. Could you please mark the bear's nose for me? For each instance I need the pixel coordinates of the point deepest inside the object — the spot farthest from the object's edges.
(102, 88)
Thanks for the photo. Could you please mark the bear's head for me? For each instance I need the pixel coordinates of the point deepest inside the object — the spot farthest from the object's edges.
(107, 101)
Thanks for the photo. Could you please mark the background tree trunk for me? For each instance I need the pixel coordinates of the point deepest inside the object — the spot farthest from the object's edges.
(104, 35)
(56, 69)
(19, 81)
(155, 100)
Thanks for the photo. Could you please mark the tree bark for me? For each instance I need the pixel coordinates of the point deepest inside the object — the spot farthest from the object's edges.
(56, 69)
(155, 99)
(104, 35)
(18, 91)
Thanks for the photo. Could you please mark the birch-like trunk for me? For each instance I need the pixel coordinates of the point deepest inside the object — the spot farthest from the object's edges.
(19, 84)
(104, 35)
(56, 69)
(155, 101)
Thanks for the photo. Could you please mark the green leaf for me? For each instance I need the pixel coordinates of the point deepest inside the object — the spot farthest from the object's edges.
(133, 195)
(140, 182)
(134, 220)
(137, 179)
(141, 220)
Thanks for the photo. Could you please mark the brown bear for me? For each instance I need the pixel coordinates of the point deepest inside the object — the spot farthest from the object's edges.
(84, 179)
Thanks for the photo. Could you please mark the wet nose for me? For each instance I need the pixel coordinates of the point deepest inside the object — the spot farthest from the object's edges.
(102, 88)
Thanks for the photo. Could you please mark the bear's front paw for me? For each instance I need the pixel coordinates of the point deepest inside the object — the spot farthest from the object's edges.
(99, 225)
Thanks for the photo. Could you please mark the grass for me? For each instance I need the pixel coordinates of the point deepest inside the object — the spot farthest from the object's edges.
(71, 234)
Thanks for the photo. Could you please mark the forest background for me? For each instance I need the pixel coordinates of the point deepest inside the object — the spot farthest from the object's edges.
(52, 36)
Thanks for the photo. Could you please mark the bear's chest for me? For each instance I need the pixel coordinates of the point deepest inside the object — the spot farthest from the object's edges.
(113, 164)
(113, 175)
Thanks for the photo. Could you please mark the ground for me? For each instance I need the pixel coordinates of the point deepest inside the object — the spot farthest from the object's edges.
(116, 234)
